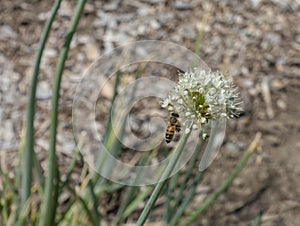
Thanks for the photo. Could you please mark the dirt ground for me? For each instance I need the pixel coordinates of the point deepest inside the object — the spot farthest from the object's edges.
(257, 42)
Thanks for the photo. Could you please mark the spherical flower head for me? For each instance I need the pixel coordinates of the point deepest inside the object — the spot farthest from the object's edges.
(201, 95)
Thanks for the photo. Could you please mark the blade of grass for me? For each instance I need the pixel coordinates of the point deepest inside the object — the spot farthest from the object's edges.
(186, 199)
(170, 196)
(195, 214)
(18, 172)
(169, 199)
(98, 190)
(129, 196)
(48, 208)
(39, 173)
(160, 185)
(257, 220)
(12, 217)
(70, 169)
(88, 212)
(114, 142)
(135, 203)
(30, 112)
(17, 182)
(109, 188)
(84, 205)
(24, 213)
(95, 211)
(181, 199)
(188, 174)
(70, 216)
(108, 127)
(200, 34)
(6, 195)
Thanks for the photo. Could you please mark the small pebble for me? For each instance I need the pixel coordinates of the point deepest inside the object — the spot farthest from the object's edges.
(43, 91)
(6, 32)
(232, 147)
(50, 52)
(154, 1)
(281, 104)
(182, 5)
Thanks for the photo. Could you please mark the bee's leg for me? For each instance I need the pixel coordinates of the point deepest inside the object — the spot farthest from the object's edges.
(178, 128)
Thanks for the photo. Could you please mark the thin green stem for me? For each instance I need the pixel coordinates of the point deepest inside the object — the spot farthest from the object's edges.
(195, 214)
(51, 187)
(108, 131)
(24, 213)
(30, 112)
(135, 203)
(39, 171)
(130, 194)
(200, 35)
(6, 195)
(70, 169)
(181, 201)
(186, 199)
(86, 196)
(170, 190)
(167, 172)
(114, 139)
(257, 220)
(18, 177)
(95, 211)
(84, 204)
(189, 171)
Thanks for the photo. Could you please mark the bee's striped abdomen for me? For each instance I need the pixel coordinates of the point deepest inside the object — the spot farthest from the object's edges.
(169, 133)
(173, 125)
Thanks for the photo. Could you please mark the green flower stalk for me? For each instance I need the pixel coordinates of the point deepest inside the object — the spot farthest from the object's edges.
(201, 95)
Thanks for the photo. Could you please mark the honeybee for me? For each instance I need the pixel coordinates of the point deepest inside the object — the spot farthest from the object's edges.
(173, 125)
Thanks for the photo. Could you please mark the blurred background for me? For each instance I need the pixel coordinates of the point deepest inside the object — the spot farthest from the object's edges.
(257, 42)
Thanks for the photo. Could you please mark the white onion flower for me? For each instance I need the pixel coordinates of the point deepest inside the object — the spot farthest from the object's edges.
(201, 95)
